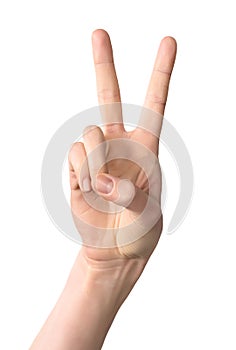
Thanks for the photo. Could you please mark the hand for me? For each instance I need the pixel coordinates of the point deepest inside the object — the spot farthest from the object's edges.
(115, 205)
(108, 197)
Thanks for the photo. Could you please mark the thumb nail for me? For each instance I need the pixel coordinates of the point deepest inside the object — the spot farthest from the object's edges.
(104, 184)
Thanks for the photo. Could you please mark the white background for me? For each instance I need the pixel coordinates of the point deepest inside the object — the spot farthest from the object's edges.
(186, 297)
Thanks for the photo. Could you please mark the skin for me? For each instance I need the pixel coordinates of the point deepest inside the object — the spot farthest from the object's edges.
(102, 278)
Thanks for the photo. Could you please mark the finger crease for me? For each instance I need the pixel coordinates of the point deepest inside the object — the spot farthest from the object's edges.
(102, 63)
(156, 99)
(162, 71)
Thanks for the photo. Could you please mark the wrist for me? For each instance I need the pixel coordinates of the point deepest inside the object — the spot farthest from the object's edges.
(90, 300)
(95, 290)
(110, 279)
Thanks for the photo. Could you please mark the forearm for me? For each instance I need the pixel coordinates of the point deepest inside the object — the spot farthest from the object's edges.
(88, 304)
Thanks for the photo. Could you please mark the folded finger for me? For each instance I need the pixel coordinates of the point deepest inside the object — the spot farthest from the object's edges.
(79, 170)
(95, 147)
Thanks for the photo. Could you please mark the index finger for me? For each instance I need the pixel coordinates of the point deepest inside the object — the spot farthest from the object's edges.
(107, 84)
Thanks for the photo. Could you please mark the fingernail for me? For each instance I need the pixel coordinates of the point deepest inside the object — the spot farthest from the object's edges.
(86, 185)
(104, 184)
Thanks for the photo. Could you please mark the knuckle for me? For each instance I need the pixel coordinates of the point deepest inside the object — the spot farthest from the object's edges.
(74, 152)
(75, 147)
(156, 99)
(113, 128)
(108, 95)
(89, 129)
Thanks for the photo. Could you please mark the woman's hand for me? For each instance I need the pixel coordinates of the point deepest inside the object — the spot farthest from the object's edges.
(116, 202)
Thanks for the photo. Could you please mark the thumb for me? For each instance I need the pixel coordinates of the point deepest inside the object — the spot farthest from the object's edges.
(116, 190)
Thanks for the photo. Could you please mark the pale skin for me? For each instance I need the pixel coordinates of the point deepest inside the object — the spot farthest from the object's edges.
(102, 278)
